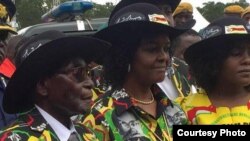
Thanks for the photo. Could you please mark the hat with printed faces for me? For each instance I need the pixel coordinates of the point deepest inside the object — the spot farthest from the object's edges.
(216, 38)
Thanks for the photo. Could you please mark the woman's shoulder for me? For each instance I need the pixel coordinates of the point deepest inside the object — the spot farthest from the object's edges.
(193, 100)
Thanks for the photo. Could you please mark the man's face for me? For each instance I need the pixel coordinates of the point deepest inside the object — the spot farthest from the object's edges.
(69, 90)
(185, 42)
(182, 18)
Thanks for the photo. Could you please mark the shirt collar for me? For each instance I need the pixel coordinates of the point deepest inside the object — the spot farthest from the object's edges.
(122, 101)
(61, 131)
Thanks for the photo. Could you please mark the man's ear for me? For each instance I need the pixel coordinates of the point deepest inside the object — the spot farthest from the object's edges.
(41, 87)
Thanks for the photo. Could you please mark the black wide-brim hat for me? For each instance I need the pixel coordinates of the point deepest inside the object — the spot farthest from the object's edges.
(216, 37)
(19, 96)
(135, 21)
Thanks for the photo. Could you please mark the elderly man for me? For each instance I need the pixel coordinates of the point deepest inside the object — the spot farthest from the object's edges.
(50, 86)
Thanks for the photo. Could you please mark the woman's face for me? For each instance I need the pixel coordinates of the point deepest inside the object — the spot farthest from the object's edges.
(236, 68)
(151, 59)
(69, 90)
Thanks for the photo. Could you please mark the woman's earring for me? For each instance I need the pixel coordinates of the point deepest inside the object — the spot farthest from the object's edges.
(44, 93)
(129, 68)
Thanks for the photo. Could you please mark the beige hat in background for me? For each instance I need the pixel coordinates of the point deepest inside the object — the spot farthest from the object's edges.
(184, 6)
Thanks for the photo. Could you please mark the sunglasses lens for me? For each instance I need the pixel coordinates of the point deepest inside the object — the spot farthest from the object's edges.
(81, 73)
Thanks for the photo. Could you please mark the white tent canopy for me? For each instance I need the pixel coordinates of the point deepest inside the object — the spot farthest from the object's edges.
(201, 22)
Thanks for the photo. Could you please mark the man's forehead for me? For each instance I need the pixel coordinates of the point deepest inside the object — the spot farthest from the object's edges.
(184, 12)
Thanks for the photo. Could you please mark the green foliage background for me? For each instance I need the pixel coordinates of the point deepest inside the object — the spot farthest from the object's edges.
(212, 10)
(29, 12)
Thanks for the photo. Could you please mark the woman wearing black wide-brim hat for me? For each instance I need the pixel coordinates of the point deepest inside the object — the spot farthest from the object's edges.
(220, 63)
(140, 36)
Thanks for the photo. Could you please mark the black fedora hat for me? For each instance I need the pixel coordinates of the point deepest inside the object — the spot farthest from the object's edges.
(7, 11)
(29, 44)
(41, 60)
(216, 37)
(123, 3)
(136, 20)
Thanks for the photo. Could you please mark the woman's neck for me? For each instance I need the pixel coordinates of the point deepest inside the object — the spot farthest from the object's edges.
(141, 93)
(229, 97)
(138, 90)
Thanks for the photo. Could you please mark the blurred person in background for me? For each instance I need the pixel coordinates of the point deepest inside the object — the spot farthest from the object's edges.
(246, 16)
(183, 15)
(233, 10)
(7, 68)
(182, 42)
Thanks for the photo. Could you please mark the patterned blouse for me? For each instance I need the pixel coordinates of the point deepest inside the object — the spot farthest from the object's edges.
(115, 117)
(199, 110)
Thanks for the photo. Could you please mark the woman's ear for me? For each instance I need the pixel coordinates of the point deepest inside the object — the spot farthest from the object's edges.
(41, 87)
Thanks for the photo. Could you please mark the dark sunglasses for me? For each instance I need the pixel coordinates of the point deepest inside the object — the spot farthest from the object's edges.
(79, 73)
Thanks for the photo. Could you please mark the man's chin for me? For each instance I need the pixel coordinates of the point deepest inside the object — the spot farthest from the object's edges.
(86, 111)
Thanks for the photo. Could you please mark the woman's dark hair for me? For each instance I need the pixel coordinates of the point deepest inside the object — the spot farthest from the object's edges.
(120, 56)
(207, 69)
(117, 62)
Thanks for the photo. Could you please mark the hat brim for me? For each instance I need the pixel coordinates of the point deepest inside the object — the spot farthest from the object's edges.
(8, 28)
(18, 96)
(133, 30)
(209, 47)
